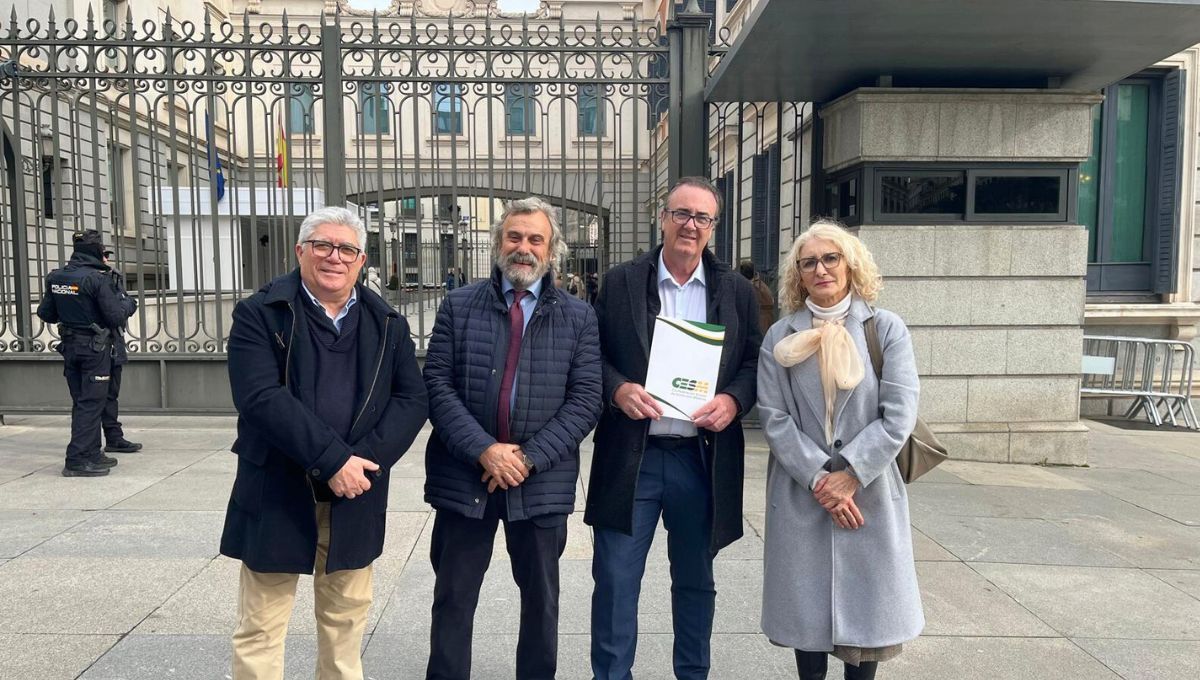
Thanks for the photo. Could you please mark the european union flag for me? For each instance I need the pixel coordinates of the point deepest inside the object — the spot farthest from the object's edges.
(216, 175)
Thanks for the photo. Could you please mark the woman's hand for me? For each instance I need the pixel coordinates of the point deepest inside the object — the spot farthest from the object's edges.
(835, 492)
(847, 515)
(834, 488)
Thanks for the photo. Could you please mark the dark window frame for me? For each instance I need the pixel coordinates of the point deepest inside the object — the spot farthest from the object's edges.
(520, 98)
(601, 119)
(868, 176)
(1155, 273)
(374, 96)
(1066, 191)
(449, 92)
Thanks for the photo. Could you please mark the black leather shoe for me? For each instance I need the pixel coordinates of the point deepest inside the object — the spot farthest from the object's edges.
(85, 469)
(123, 446)
(103, 461)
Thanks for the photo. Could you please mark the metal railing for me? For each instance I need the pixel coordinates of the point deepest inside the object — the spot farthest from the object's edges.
(1156, 375)
(197, 148)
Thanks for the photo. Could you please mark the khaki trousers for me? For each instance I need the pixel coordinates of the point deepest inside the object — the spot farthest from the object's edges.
(265, 601)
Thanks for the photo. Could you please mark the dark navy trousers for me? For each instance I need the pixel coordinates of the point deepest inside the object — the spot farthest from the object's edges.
(673, 483)
(94, 382)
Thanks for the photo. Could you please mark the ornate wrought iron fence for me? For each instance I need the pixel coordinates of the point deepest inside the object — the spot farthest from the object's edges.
(197, 147)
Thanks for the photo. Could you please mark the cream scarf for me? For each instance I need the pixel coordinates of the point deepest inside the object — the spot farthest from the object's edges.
(841, 367)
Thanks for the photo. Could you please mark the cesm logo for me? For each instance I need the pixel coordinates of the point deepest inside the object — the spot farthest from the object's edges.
(689, 385)
(64, 289)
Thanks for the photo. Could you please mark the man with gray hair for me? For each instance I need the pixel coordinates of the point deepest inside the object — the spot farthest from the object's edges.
(513, 373)
(329, 396)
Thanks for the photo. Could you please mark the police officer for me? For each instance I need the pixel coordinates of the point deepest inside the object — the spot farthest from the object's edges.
(88, 302)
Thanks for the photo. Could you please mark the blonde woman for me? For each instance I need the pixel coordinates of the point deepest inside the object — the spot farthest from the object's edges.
(839, 575)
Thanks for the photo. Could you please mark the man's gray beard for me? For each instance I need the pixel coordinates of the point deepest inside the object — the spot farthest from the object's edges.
(520, 278)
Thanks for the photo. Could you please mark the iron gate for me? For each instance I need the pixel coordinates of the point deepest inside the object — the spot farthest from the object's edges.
(197, 147)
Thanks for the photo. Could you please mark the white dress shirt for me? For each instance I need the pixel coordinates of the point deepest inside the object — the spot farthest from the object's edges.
(688, 302)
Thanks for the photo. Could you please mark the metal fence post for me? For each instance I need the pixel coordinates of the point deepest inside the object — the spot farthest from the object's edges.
(334, 129)
(687, 145)
(16, 204)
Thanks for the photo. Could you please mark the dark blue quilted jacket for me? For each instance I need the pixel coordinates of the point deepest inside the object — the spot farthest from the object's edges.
(557, 399)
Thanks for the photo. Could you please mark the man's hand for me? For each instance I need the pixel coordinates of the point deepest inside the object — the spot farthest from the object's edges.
(636, 403)
(717, 414)
(352, 480)
(494, 483)
(503, 466)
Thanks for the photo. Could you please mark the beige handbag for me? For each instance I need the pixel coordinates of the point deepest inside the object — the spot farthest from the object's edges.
(922, 451)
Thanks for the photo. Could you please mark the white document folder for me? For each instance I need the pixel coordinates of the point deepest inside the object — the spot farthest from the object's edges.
(685, 357)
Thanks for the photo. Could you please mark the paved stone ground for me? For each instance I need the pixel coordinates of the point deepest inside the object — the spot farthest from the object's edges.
(1026, 572)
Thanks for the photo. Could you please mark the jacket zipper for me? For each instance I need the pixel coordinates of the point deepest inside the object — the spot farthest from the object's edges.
(382, 350)
(287, 366)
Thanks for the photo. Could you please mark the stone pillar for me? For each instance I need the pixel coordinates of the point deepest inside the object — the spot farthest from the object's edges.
(995, 308)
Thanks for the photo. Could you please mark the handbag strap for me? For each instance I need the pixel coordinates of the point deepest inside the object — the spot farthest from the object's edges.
(873, 347)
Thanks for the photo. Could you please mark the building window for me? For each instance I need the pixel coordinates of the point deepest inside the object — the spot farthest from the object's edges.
(520, 110)
(591, 111)
(723, 233)
(922, 193)
(51, 185)
(448, 108)
(373, 101)
(764, 214)
(300, 109)
(937, 193)
(1128, 191)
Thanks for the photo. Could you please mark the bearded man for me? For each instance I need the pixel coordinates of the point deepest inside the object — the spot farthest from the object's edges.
(513, 374)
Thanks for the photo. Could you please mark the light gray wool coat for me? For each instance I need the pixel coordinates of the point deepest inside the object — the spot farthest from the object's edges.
(825, 586)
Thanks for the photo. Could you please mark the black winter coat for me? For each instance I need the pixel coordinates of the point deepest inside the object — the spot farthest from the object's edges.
(283, 448)
(557, 397)
(99, 298)
(628, 302)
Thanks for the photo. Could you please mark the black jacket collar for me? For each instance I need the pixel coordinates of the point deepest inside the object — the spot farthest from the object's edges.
(283, 290)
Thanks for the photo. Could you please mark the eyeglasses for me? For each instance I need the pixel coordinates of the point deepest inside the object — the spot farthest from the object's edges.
(347, 253)
(682, 217)
(830, 261)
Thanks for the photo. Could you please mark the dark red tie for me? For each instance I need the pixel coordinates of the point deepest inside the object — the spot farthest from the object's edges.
(516, 326)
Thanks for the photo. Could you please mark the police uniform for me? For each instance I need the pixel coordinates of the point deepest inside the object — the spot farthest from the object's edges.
(88, 302)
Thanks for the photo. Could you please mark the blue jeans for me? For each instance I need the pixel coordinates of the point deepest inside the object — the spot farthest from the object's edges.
(672, 482)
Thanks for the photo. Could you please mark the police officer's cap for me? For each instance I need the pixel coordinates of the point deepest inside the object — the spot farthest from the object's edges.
(89, 240)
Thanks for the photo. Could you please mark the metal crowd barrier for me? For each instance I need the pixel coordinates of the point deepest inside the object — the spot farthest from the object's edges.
(1155, 374)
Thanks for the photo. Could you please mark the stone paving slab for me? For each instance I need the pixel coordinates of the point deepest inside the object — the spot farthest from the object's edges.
(1146, 659)
(1014, 539)
(995, 658)
(125, 534)
(1002, 474)
(1007, 560)
(494, 657)
(959, 601)
(86, 595)
(192, 657)
(1187, 581)
(1099, 602)
(50, 657)
(22, 530)
(1141, 538)
(1184, 509)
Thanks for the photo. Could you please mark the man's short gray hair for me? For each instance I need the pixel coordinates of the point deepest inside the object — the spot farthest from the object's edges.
(526, 206)
(333, 215)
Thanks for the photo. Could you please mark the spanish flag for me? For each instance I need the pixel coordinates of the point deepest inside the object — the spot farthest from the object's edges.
(281, 157)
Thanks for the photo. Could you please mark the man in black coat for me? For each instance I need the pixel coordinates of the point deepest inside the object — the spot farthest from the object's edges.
(329, 397)
(646, 466)
(88, 302)
(513, 372)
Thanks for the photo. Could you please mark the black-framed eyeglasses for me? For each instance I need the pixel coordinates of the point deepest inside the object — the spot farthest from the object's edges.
(346, 252)
(830, 261)
(682, 217)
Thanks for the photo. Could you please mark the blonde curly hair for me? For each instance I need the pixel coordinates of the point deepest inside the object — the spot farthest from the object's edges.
(865, 280)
